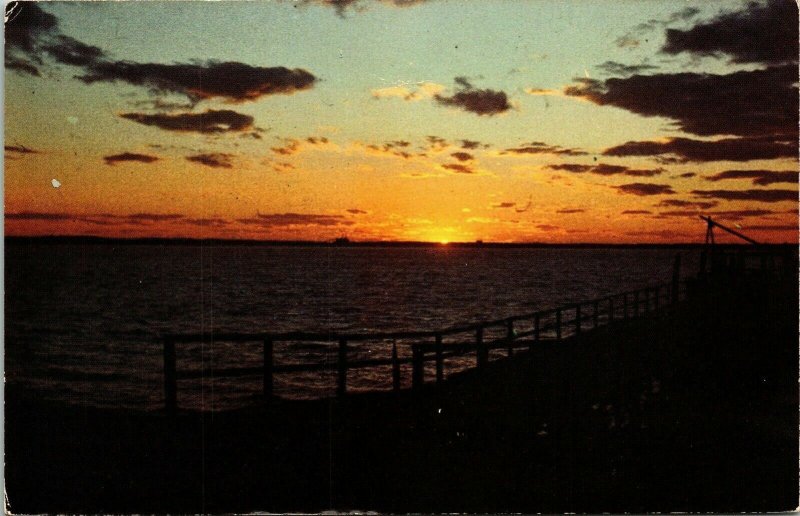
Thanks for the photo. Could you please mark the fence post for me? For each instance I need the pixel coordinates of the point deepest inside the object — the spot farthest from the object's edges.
(482, 354)
(268, 369)
(170, 378)
(558, 324)
(596, 307)
(417, 367)
(578, 321)
(341, 386)
(510, 336)
(395, 368)
(536, 330)
(439, 360)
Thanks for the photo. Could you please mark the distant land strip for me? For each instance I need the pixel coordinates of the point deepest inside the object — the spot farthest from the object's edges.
(89, 240)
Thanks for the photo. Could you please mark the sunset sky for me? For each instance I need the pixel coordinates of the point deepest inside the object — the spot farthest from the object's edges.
(524, 121)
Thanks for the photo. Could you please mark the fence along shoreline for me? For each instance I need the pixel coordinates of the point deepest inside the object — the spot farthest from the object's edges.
(550, 325)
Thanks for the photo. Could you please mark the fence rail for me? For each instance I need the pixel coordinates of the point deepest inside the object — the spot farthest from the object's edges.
(568, 321)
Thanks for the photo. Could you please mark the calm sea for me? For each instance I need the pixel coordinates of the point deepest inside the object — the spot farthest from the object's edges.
(82, 322)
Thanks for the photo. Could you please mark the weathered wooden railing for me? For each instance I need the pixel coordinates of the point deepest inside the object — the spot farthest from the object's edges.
(519, 332)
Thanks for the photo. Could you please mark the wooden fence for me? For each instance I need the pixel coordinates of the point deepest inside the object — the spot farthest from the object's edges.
(514, 334)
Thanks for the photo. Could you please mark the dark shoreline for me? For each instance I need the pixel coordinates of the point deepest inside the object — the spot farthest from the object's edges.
(94, 240)
(691, 412)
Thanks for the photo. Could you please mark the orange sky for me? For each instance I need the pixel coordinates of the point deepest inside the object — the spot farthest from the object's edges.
(430, 120)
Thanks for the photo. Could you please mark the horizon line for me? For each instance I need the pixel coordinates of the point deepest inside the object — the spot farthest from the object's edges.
(352, 243)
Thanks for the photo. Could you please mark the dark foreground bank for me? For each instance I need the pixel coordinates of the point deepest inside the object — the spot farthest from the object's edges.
(691, 411)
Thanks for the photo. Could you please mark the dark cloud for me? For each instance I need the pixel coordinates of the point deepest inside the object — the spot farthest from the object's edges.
(97, 218)
(463, 156)
(759, 177)
(436, 142)
(396, 148)
(25, 24)
(677, 214)
(316, 140)
(603, 169)
(616, 68)
(291, 147)
(255, 135)
(643, 189)
(33, 215)
(637, 212)
(129, 156)
(463, 82)
(295, 219)
(472, 144)
(526, 207)
(342, 6)
(231, 81)
(743, 103)
(759, 33)
(213, 160)
(22, 65)
(207, 222)
(67, 50)
(458, 168)
(643, 172)
(504, 205)
(153, 217)
(567, 211)
(608, 170)
(680, 203)
(571, 167)
(543, 148)
(484, 102)
(725, 215)
(356, 211)
(758, 106)
(686, 175)
(20, 149)
(748, 195)
(726, 149)
(210, 122)
(32, 32)
(547, 227)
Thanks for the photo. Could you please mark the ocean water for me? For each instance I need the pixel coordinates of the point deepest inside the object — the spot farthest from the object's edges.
(83, 322)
